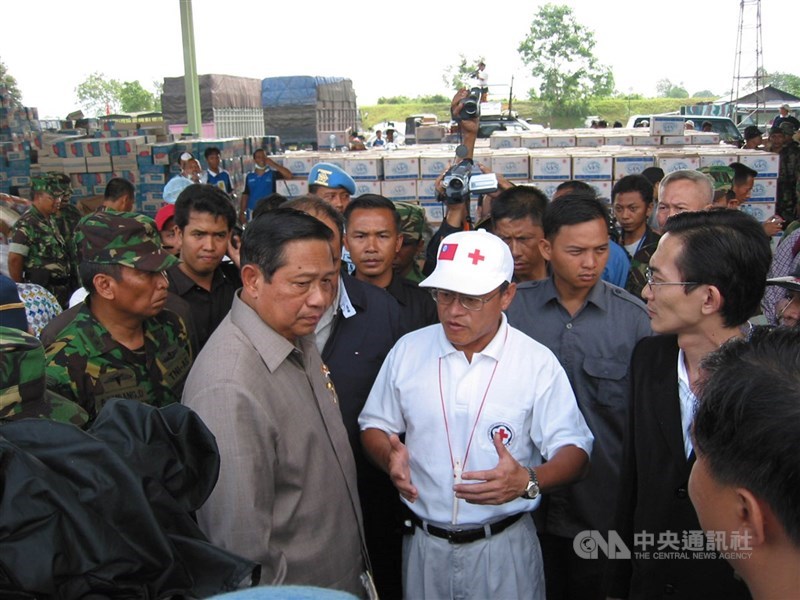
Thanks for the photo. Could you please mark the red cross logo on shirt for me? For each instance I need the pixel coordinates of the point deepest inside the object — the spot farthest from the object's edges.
(476, 256)
(504, 431)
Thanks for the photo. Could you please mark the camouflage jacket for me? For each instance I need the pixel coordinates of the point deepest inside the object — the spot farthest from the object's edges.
(38, 239)
(788, 182)
(86, 365)
(637, 277)
(22, 388)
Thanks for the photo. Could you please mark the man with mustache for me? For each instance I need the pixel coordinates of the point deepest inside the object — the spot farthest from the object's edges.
(121, 343)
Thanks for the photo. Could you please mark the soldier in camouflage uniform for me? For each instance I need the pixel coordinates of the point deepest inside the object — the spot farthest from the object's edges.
(121, 343)
(22, 392)
(412, 226)
(38, 252)
(67, 217)
(789, 170)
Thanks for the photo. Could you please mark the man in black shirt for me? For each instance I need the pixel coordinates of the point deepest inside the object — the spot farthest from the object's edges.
(205, 218)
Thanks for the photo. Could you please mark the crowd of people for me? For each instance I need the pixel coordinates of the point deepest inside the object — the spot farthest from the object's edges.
(324, 392)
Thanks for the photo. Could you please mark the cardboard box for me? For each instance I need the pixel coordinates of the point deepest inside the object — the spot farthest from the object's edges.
(367, 187)
(401, 166)
(670, 163)
(426, 190)
(433, 165)
(675, 140)
(300, 163)
(504, 139)
(434, 212)
(98, 164)
(667, 125)
(365, 167)
(646, 140)
(588, 140)
(292, 188)
(765, 163)
(399, 189)
(764, 190)
(430, 134)
(532, 140)
(560, 140)
(552, 167)
(602, 188)
(632, 164)
(761, 211)
(333, 140)
(618, 139)
(718, 159)
(512, 165)
(596, 167)
(701, 138)
(547, 186)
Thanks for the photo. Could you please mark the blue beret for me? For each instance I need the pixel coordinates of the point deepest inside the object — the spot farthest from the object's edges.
(328, 175)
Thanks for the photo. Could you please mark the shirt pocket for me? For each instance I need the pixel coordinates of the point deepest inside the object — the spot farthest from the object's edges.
(508, 423)
(609, 378)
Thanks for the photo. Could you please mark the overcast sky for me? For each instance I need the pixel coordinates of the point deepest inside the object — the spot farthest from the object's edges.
(50, 46)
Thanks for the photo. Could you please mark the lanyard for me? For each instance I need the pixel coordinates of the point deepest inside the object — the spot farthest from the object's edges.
(457, 464)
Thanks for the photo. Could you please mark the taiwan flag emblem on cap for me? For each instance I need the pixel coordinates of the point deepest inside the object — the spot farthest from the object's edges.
(448, 251)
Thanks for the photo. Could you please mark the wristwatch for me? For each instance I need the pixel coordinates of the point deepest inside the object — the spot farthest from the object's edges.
(532, 490)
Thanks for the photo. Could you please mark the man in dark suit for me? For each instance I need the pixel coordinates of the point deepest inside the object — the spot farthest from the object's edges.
(705, 280)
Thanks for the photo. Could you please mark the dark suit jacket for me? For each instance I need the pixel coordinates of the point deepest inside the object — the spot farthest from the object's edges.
(654, 494)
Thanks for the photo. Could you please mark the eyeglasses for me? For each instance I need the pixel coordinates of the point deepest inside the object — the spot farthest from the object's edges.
(474, 303)
(649, 276)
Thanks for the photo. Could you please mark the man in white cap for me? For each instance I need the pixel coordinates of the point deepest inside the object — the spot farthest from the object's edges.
(785, 117)
(482, 407)
(190, 173)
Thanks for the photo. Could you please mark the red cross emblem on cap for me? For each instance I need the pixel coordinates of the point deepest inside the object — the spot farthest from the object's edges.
(476, 256)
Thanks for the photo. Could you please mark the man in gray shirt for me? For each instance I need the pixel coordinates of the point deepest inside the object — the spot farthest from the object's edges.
(592, 327)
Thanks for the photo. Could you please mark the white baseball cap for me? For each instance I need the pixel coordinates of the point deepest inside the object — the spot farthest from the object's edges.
(472, 263)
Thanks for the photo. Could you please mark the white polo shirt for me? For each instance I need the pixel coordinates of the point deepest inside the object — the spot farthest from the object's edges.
(529, 400)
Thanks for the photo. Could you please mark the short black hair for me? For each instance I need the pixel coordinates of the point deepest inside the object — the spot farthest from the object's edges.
(314, 205)
(211, 150)
(371, 202)
(572, 209)
(576, 185)
(653, 174)
(257, 150)
(203, 198)
(117, 187)
(265, 239)
(727, 249)
(87, 271)
(741, 173)
(634, 183)
(268, 203)
(519, 202)
(748, 419)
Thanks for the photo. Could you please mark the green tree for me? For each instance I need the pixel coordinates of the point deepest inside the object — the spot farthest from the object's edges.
(704, 94)
(460, 75)
(666, 89)
(785, 82)
(560, 53)
(134, 98)
(99, 95)
(10, 83)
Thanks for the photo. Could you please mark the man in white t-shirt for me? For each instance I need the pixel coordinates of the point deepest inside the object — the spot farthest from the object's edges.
(482, 407)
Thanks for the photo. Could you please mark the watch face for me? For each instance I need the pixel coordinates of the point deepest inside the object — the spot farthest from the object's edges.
(532, 491)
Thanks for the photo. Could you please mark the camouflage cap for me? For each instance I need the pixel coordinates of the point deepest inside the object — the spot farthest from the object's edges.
(55, 184)
(23, 393)
(128, 239)
(412, 220)
(721, 176)
(787, 128)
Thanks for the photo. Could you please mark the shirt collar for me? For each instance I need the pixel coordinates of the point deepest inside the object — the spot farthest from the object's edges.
(183, 283)
(493, 349)
(597, 295)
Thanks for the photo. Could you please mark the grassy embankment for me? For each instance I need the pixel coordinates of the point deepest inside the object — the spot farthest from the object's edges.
(610, 109)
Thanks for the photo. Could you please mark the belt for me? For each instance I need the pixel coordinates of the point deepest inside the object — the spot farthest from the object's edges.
(465, 536)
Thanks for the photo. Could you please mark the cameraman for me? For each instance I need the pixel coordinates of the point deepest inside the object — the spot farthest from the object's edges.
(456, 215)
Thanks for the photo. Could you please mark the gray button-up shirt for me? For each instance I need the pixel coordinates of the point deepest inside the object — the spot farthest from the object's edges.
(594, 346)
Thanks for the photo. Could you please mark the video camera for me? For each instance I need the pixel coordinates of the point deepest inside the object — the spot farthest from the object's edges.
(459, 181)
(470, 106)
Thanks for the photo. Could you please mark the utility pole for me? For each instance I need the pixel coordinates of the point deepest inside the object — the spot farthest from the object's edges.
(193, 120)
(748, 64)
